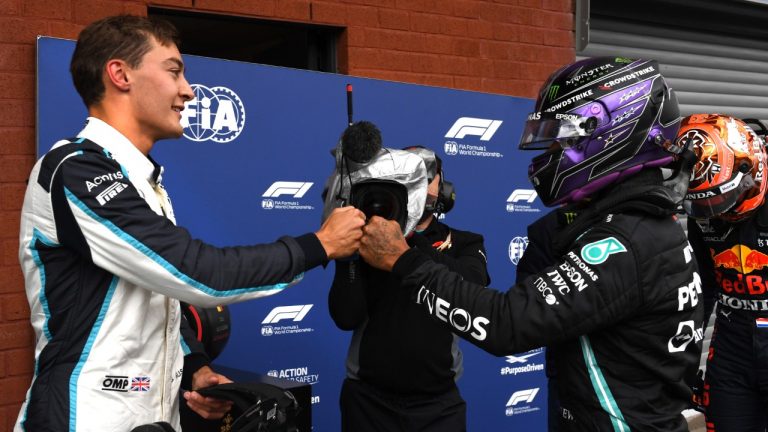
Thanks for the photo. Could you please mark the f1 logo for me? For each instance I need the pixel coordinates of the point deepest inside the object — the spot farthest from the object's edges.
(522, 396)
(522, 195)
(280, 313)
(297, 189)
(483, 128)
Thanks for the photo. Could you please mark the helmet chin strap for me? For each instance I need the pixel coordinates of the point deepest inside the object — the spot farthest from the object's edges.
(681, 172)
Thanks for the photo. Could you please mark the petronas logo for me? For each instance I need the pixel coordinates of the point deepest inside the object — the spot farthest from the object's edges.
(553, 92)
(599, 251)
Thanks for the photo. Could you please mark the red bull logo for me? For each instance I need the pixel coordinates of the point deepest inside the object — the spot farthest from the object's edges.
(752, 285)
(740, 258)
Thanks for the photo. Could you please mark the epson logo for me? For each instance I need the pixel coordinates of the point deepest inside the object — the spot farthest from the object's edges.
(483, 128)
(460, 319)
(527, 195)
(295, 189)
(96, 181)
(216, 114)
(295, 313)
(520, 396)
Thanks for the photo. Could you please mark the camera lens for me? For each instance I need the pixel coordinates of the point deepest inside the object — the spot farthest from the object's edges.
(380, 203)
(383, 198)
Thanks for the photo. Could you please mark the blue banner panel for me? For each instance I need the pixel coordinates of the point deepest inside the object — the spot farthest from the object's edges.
(251, 167)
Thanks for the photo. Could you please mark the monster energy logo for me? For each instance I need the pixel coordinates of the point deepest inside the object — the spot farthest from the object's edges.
(553, 92)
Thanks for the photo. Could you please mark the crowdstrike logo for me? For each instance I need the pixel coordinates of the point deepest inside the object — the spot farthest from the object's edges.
(519, 402)
(520, 200)
(216, 114)
(296, 190)
(483, 128)
(296, 313)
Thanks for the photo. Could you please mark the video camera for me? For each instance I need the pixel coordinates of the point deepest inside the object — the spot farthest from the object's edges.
(377, 180)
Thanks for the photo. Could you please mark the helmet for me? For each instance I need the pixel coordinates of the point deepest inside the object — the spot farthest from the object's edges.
(728, 180)
(600, 120)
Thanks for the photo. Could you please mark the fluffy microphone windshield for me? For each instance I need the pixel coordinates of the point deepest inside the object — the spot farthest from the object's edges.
(361, 141)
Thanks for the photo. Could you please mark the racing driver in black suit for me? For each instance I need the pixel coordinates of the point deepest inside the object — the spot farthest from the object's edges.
(621, 303)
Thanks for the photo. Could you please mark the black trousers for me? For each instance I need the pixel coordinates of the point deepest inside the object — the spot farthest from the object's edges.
(736, 382)
(366, 409)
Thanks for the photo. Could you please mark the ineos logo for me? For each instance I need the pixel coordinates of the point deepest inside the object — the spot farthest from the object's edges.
(459, 318)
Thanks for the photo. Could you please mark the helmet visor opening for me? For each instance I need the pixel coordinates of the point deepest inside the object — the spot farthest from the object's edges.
(542, 129)
(717, 200)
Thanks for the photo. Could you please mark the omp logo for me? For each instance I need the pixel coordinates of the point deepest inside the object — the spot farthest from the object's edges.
(110, 192)
(96, 181)
(118, 383)
(473, 126)
(451, 148)
(216, 114)
(527, 195)
(523, 358)
(296, 313)
(517, 248)
(296, 189)
(519, 396)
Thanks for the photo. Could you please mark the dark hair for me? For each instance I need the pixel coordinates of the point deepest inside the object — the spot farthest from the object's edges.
(124, 37)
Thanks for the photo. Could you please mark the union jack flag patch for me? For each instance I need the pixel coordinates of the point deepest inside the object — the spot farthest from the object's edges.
(140, 384)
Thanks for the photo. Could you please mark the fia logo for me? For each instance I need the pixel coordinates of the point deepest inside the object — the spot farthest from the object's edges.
(451, 148)
(216, 114)
(516, 249)
(267, 204)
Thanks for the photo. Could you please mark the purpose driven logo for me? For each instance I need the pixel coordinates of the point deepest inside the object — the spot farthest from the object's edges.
(523, 363)
(471, 127)
(216, 114)
(271, 324)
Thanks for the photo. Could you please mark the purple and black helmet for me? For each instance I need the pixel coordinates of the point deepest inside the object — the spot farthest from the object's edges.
(600, 120)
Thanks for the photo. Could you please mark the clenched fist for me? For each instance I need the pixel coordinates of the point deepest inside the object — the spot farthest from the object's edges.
(340, 234)
(382, 243)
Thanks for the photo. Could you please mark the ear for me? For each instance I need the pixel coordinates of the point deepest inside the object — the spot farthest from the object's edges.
(117, 72)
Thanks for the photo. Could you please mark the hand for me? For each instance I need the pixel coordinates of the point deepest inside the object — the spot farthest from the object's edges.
(340, 234)
(207, 407)
(382, 243)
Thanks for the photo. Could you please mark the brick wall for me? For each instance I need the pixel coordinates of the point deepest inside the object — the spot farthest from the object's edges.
(506, 47)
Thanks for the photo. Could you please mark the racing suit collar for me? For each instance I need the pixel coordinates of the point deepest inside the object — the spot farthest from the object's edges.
(135, 162)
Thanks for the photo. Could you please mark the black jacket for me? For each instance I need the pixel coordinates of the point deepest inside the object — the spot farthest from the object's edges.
(395, 347)
(612, 302)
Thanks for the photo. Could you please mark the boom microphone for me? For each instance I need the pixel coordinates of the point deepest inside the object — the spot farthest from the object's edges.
(361, 141)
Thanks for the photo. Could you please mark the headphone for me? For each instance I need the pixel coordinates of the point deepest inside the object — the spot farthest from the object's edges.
(446, 193)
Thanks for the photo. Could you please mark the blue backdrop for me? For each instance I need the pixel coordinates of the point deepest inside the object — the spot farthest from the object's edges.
(251, 167)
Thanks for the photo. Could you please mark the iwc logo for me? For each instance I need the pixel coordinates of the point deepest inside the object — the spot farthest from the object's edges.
(216, 114)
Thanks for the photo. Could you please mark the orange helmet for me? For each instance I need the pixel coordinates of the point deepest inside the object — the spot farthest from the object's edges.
(728, 180)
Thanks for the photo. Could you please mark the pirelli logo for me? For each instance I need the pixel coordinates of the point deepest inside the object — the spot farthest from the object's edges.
(110, 192)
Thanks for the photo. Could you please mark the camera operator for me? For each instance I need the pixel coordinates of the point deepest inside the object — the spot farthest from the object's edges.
(402, 366)
(621, 302)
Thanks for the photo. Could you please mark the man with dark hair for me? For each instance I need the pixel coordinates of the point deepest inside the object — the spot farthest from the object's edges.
(104, 263)
(402, 367)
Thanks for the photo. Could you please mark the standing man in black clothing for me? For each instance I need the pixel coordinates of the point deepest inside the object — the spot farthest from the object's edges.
(621, 300)
(402, 366)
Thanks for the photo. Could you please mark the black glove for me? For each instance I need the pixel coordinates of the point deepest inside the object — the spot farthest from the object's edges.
(700, 398)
